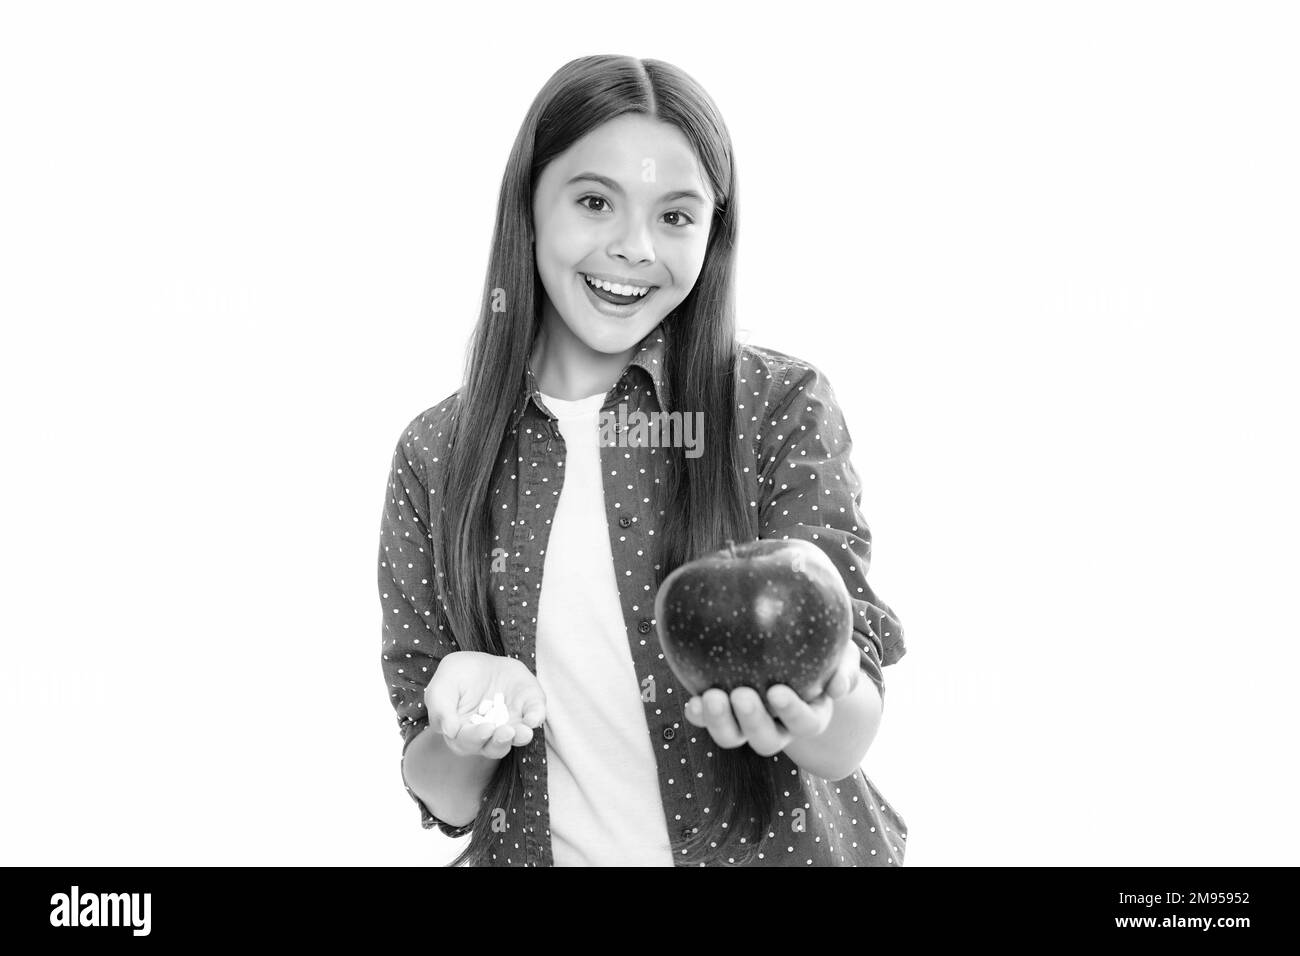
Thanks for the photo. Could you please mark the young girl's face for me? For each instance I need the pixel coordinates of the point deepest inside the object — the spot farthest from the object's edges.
(626, 204)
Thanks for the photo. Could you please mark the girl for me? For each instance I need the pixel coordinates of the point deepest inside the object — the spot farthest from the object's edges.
(609, 292)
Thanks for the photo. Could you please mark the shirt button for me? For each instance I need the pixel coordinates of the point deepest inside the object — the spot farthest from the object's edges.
(686, 833)
(644, 626)
(669, 733)
(624, 521)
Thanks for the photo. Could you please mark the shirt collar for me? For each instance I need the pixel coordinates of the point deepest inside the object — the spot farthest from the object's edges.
(649, 356)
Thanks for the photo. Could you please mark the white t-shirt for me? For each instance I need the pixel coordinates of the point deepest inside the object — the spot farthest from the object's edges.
(604, 801)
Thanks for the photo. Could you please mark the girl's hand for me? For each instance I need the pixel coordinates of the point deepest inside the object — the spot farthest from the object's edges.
(466, 678)
(741, 718)
(846, 676)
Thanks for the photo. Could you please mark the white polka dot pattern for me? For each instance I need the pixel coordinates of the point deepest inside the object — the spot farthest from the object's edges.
(802, 484)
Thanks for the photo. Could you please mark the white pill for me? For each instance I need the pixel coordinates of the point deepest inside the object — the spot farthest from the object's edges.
(492, 711)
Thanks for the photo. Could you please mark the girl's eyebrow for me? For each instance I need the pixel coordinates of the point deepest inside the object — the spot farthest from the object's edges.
(614, 187)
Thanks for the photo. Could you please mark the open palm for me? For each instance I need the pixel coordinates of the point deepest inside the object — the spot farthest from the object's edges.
(462, 681)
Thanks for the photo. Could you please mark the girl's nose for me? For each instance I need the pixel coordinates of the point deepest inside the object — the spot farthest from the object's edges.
(633, 245)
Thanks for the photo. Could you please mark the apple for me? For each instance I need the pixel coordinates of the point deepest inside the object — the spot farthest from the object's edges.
(770, 611)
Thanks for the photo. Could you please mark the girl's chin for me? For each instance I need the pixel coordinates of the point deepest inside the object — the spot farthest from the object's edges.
(605, 334)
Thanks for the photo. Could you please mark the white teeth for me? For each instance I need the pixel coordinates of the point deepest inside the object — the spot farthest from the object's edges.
(616, 288)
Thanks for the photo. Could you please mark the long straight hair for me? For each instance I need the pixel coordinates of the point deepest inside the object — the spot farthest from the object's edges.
(706, 499)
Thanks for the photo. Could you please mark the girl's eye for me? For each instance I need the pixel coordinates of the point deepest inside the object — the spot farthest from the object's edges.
(680, 216)
(590, 199)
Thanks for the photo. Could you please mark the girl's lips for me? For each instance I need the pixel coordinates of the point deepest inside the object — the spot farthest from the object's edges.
(617, 281)
(609, 306)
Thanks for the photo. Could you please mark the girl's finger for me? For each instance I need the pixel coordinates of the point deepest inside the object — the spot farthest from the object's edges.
(855, 675)
(846, 674)
(533, 708)
(823, 709)
(523, 735)
(756, 723)
(495, 750)
(695, 712)
(720, 720)
(799, 717)
(505, 734)
(499, 740)
(471, 738)
(852, 665)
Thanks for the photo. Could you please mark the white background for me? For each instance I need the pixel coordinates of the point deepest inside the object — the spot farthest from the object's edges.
(1046, 253)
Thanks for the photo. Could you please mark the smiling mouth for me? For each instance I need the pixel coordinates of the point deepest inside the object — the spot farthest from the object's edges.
(618, 294)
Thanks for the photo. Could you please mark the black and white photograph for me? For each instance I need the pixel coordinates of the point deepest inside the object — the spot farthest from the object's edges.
(698, 435)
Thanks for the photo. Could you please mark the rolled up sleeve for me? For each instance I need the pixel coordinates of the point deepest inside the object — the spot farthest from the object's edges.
(415, 632)
(810, 489)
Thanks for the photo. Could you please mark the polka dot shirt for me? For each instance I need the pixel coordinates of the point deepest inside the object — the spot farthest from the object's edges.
(801, 485)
